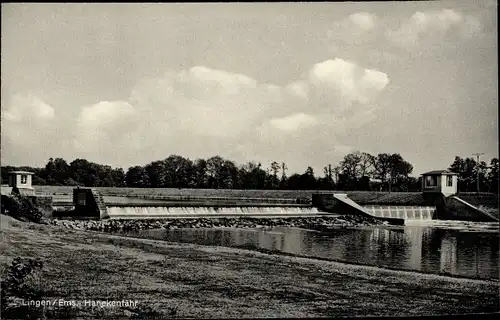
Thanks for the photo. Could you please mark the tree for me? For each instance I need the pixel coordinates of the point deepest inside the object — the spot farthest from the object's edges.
(56, 171)
(118, 177)
(469, 175)
(252, 176)
(366, 164)
(399, 169)
(294, 182)
(327, 182)
(353, 173)
(337, 171)
(5, 173)
(221, 173)
(308, 180)
(350, 165)
(382, 167)
(137, 176)
(178, 171)
(157, 175)
(466, 170)
(79, 169)
(274, 181)
(493, 175)
(481, 173)
(199, 178)
(228, 176)
(305, 181)
(284, 179)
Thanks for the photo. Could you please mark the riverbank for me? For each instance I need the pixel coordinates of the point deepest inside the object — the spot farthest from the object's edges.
(183, 280)
(310, 223)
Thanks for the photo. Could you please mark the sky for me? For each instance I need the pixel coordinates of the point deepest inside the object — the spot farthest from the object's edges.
(300, 83)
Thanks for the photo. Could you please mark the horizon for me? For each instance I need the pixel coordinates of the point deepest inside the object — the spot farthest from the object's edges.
(299, 83)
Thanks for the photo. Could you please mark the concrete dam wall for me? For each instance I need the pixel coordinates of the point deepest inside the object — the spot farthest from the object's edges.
(185, 212)
(392, 207)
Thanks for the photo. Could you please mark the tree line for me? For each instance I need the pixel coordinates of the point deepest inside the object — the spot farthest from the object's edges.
(356, 171)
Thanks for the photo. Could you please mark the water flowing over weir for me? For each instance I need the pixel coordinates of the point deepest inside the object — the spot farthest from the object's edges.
(167, 211)
(402, 212)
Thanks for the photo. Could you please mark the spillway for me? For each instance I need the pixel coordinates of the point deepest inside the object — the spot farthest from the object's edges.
(402, 212)
(132, 212)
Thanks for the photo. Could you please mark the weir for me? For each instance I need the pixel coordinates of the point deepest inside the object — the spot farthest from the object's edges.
(188, 211)
(402, 212)
(340, 202)
(88, 203)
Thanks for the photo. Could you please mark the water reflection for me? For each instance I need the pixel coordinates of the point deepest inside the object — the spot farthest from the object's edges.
(422, 248)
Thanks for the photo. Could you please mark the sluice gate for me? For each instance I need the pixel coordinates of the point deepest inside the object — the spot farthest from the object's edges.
(402, 212)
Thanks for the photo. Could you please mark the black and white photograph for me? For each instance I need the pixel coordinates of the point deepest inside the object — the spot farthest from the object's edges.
(234, 160)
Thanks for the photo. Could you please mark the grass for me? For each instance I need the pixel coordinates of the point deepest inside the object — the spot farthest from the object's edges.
(192, 194)
(183, 280)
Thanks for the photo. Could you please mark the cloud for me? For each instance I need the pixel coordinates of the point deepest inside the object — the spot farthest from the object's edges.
(363, 20)
(345, 79)
(200, 112)
(26, 121)
(27, 107)
(432, 27)
(472, 27)
(202, 101)
(293, 122)
(29, 128)
(356, 28)
(103, 126)
(341, 97)
(298, 89)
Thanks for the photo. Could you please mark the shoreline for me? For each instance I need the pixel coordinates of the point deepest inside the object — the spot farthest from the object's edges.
(253, 248)
(196, 281)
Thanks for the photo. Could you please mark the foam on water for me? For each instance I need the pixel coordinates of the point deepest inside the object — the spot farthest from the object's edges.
(216, 211)
(402, 212)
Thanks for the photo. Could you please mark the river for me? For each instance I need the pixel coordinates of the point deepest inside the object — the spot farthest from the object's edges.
(458, 248)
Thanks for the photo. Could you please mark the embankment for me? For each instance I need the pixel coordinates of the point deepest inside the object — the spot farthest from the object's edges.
(361, 197)
(484, 201)
(171, 280)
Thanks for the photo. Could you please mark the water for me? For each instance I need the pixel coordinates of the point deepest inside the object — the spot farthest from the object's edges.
(150, 211)
(402, 212)
(470, 251)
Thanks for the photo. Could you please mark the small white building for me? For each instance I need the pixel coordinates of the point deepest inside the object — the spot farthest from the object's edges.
(440, 181)
(22, 181)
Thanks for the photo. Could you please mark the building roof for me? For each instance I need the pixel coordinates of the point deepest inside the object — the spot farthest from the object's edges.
(21, 172)
(439, 172)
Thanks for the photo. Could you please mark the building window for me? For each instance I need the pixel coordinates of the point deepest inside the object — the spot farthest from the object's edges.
(24, 179)
(431, 181)
(81, 197)
(449, 181)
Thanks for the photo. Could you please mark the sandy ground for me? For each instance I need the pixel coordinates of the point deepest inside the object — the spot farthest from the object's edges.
(183, 280)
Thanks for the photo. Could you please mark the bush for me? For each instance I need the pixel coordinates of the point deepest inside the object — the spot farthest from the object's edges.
(21, 283)
(19, 207)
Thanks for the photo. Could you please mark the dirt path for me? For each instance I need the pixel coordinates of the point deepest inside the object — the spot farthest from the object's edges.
(183, 280)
